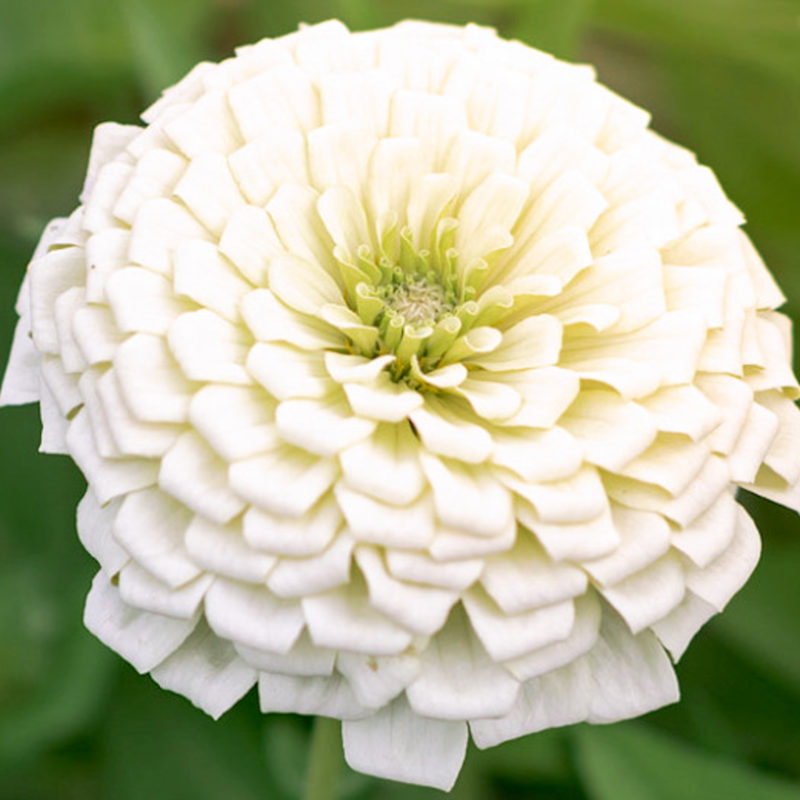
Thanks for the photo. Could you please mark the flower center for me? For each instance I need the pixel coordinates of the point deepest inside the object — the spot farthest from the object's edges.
(420, 301)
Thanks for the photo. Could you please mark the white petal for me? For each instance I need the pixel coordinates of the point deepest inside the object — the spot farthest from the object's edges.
(466, 498)
(781, 456)
(682, 409)
(411, 526)
(385, 466)
(250, 242)
(109, 141)
(54, 424)
(235, 420)
(611, 430)
(253, 616)
(537, 455)
(155, 175)
(418, 567)
(304, 659)
(708, 536)
(546, 394)
(208, 278)
(140, 589)
(160, 226)
(209, 191)
(326, 697)
(579, 498)
(96, 333)
(193, 474)
(150, 526)
(140, 637)
(21, 378)
(377, 681)
(223, 550)
(677, 629)
(672, 462)
(452, 544)
(338, 155)
(150, 381)
(526, 577)
(205, 125)
(208, 348)
(422, 610)
(271, 321)
(344, 619)
(446, 432)
(383, 399)
(581, 639)
(288, 536)
(130, 436)
(648, 595)
(631, 675)
(94, 531)
(458, 679)
(65, 307)
(108, 478)
(208, 671)
(276, 156)
(287, 372)
(398, 744)
(722, 578)
(752, 446)
(323, 427)
(510, 636)
(143, 301)
(534, 342)
(558, 698)
(284, 481)
(644, 537)
(579, 540)
(63, 387)
(298, 577)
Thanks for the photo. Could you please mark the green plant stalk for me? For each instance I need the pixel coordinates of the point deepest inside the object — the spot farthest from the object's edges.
(324, 760)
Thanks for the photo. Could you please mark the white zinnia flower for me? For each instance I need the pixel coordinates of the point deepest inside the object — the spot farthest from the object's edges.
(413, 379)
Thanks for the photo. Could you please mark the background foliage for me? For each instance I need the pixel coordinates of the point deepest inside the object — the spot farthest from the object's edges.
(721, 76)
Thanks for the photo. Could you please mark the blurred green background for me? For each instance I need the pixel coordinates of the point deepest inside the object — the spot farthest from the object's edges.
(720, 76)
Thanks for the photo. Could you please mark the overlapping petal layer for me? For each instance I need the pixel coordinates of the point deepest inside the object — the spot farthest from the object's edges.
(413, 378)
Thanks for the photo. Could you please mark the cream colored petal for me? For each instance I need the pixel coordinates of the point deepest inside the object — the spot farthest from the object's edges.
(94, 524)
(300, 577)
(287, 372)
(326, 697)
(581, 640)
(304, 659)
(237, 421)
(193, 474)
(206, 125)
(631, 675)
(208, 671)
(534, 342)
(338, 155)
(453, 544)
(252, 615)
(302, 285)
(275, 156)
(377, 681)
(223, 550)
(154, 175)
(458, 679)
(677, 629)
(141, 590)
(420, 609)
(344, 619)
(717, 582)
(671, 462)
(446, 430)
(150, 525)
(398, 744)
(759, 431)
(682, 409)
(323, 427)
(510, 636)
(648, 595)
(160, 226)
(385, 466)
(143, 301)
(109, 478)
(537, 455)
(250, 242)
(142, 638)
(526, 577)
(208, 348)
(419, 567)
(284, 481)
(467, 498)
(205, 276)
(95, 332)
(150, 380)
(550, 701)
(708, 536)
(546, 394)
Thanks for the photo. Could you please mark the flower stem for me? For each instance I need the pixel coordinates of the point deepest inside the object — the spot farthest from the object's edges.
(324, 760)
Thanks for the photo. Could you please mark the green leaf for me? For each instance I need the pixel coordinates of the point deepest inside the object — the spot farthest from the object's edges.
(630, 761)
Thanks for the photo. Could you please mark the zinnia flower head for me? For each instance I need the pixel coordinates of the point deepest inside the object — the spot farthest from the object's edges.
(413, 378)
